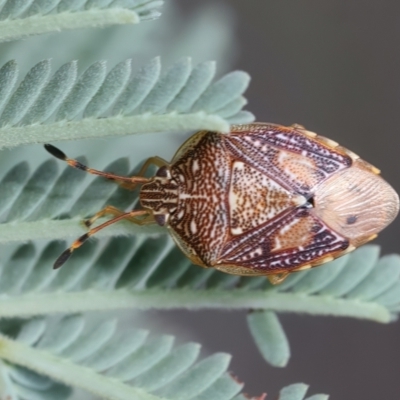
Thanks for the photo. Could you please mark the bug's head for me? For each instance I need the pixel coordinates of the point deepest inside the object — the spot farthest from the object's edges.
(357, 203)
(160, 195)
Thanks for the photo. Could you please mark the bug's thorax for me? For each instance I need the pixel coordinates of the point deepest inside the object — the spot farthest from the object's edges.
(160, 195)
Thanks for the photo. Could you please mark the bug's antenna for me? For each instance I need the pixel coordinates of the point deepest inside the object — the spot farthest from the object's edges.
(54, 151)
(82, 239)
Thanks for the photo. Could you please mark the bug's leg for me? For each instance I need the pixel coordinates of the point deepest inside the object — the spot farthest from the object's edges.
(76, 164)
(157, 161)
(82, 239)
(147, 220)
(106, 210)
(277, 278)
(116, 212)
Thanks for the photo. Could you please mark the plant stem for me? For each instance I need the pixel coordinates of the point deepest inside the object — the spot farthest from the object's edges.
(37, 304)
(12, 29)
(112, 126)
(68, 228)
(69, 373)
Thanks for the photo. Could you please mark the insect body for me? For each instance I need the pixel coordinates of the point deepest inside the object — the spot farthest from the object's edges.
(262, 200)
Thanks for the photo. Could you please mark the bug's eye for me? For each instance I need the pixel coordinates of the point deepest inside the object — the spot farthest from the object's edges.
(163, 172)
(161, 219)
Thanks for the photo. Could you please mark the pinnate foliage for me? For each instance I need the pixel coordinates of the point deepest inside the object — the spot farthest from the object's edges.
(141, 272)
(44, 356)
(20, 18)
(114, 363)
(46, 107)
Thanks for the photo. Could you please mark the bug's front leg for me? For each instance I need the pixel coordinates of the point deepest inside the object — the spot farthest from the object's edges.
(128, 182)
(131, 181)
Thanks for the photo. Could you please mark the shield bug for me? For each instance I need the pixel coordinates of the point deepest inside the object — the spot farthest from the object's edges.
(262, 200)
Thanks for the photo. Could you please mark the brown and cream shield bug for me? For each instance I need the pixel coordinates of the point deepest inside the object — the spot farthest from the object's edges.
(262, 200)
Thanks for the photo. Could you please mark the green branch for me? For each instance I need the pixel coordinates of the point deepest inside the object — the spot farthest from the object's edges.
(68, 228)
(113, 126)
(69, 373)
(37, 304)
(12, 29)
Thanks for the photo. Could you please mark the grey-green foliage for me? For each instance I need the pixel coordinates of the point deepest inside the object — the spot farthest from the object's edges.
(133, 362)
(17, 9)
(117, 102)
(52, 190)
(298, 391)
(40, 198)
(27, 385)
(359, 284)
(269, 337)
(152, 273)
(19, 18)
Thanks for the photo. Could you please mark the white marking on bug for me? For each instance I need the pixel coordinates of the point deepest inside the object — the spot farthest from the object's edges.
(288, 226)
(186, 196)
(277, 244)
(299, 200)
(193, 227)
(195, 166)
(236, 231)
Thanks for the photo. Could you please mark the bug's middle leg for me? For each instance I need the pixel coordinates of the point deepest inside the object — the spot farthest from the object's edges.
(82, 239)
(111, 210)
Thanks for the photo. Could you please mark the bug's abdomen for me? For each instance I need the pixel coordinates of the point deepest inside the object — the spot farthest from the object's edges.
(201, 218)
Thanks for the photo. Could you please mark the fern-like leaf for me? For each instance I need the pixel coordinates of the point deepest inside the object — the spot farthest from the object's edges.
(298, 391)
(32, 203)
(43, 109)
(113, 273)
(20, 18)
(269, 337)
(123, 267)
(114, 364)
(142, 273)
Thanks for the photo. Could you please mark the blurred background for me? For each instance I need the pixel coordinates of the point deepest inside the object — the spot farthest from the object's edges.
(330, 66)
